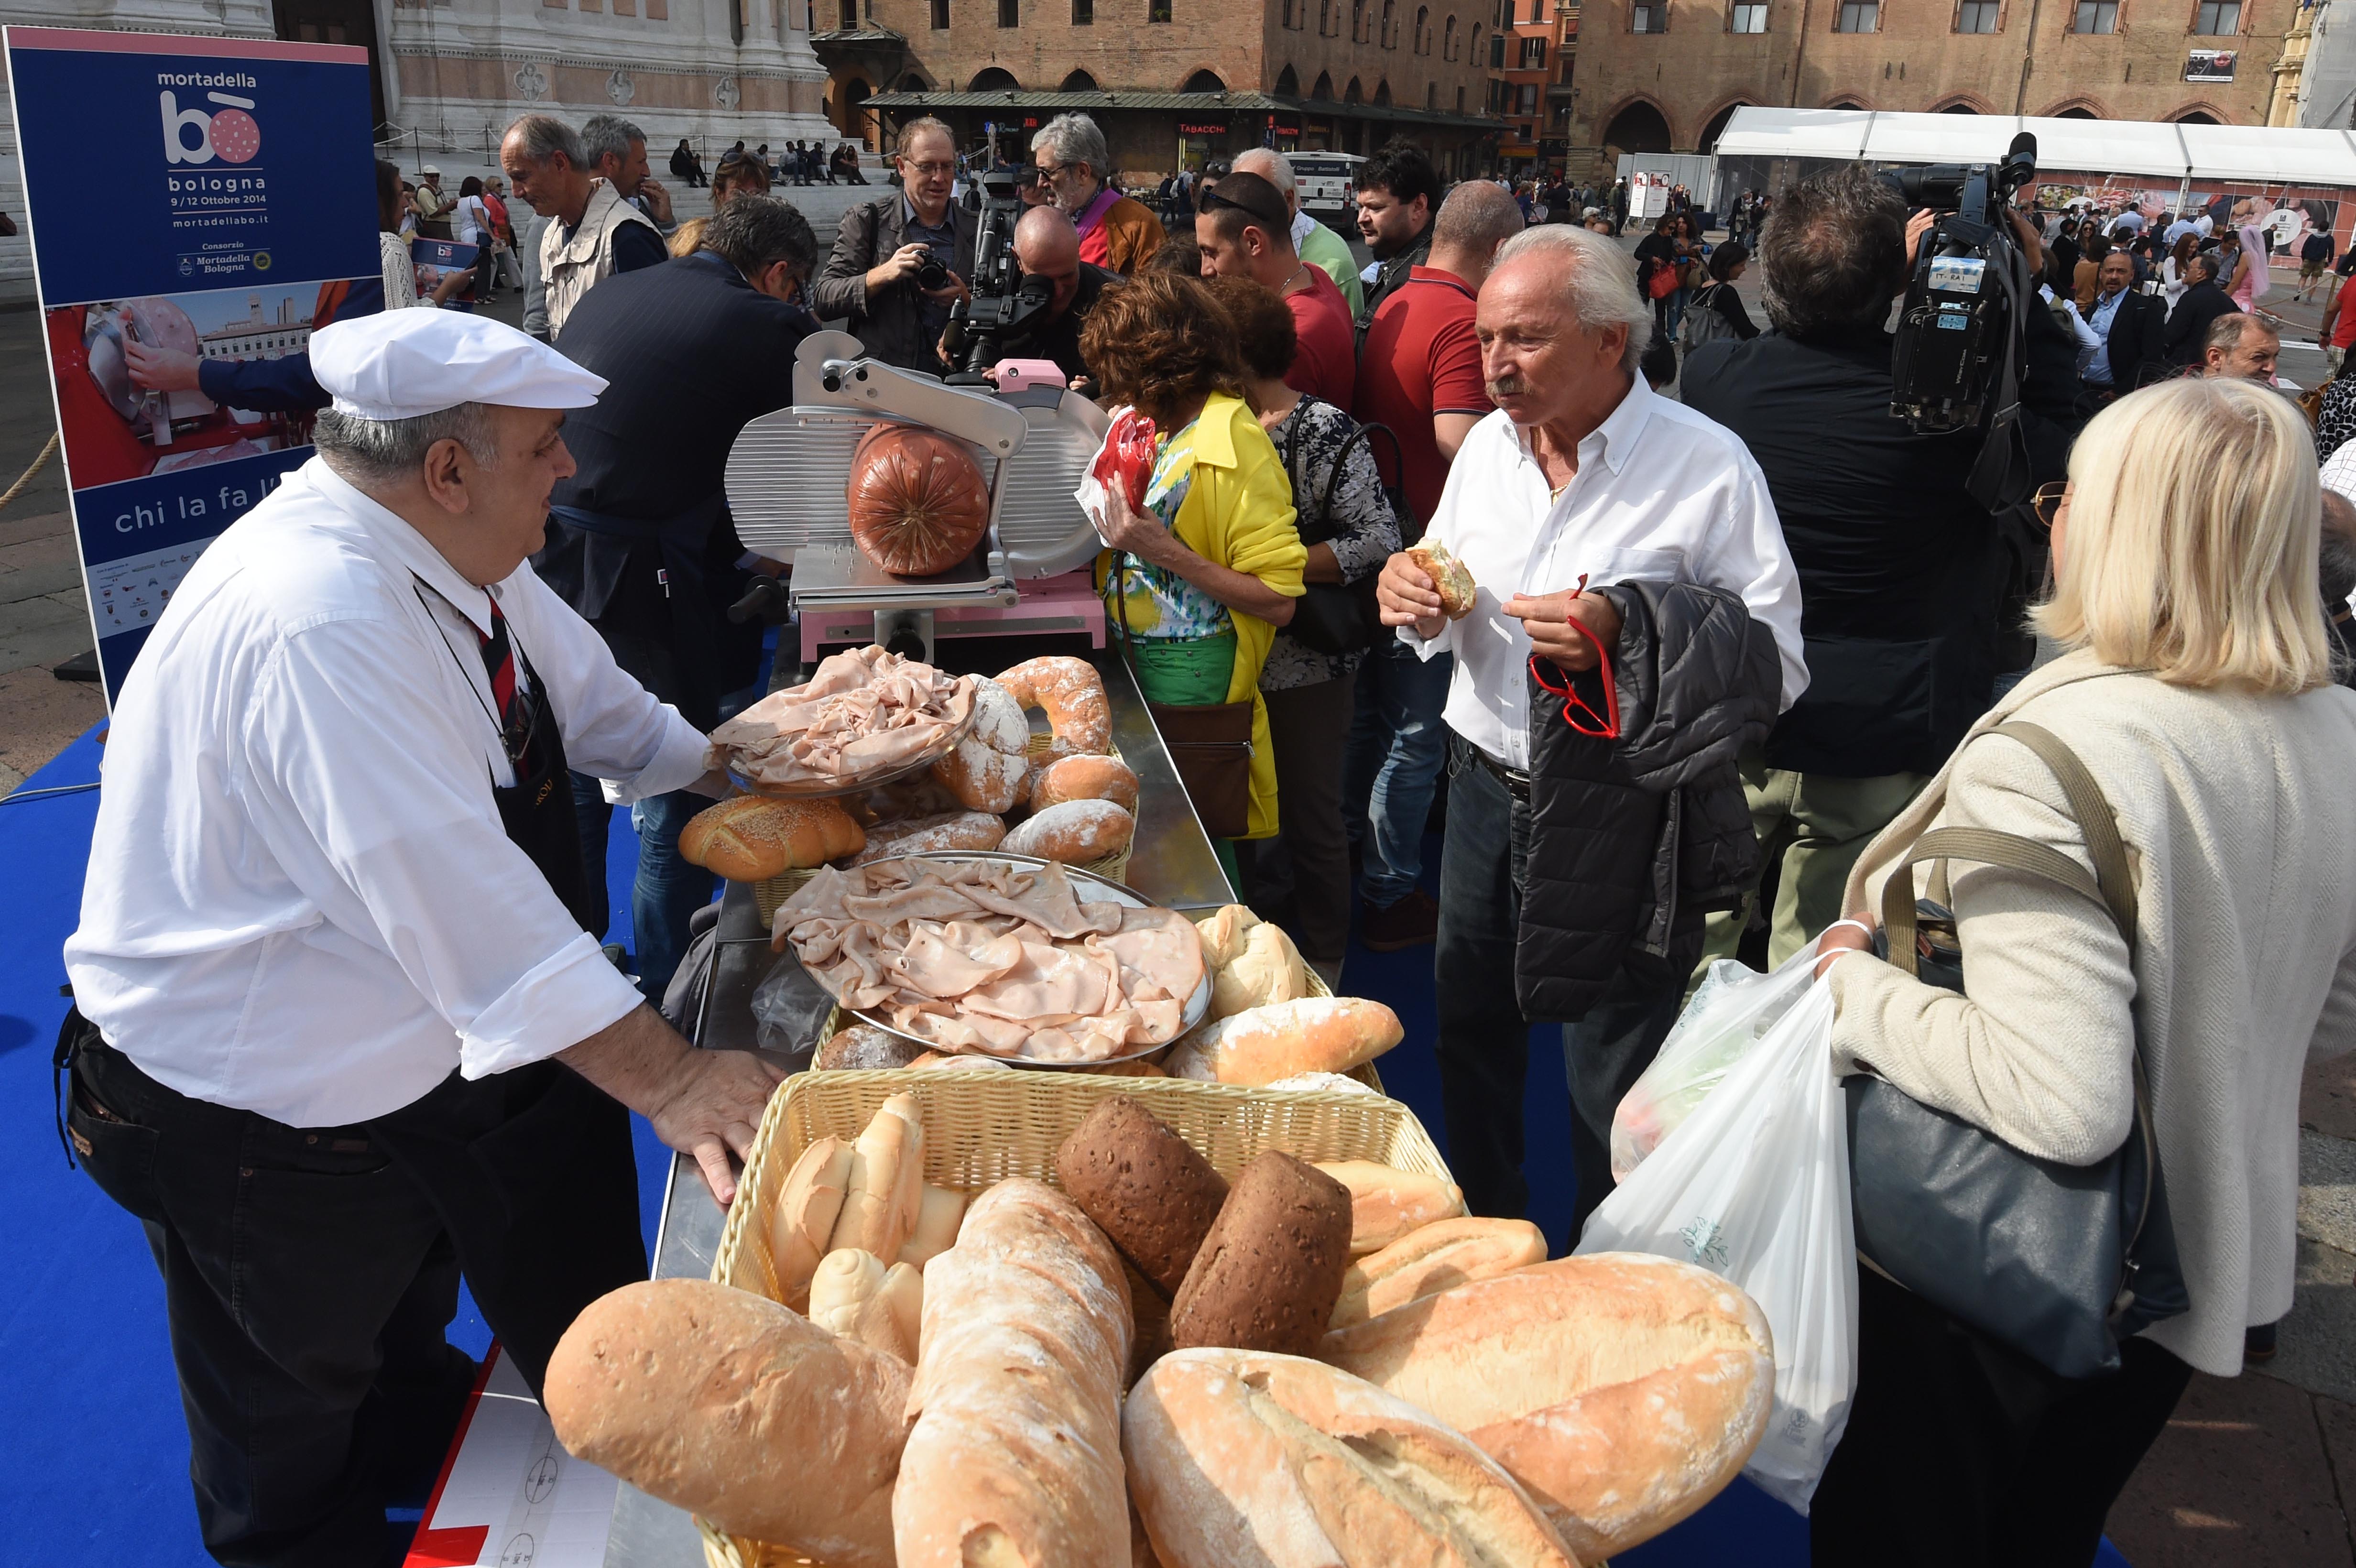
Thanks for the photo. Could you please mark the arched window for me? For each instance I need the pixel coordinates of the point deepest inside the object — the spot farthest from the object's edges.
(1432, 95)
(1079, 82)
(1351, 94)
(1288, 83)
(1324, 91)
(1204, 82)
(1423, 29)
(1382, 95)
(1390, 26)
(1448, 39)
(994, 80)
(2195, 117)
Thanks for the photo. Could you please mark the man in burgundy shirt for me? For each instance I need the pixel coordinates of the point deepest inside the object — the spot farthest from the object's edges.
(1245, 229)
(1420, 376)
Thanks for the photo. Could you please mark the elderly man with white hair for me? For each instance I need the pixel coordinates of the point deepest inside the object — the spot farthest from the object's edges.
(1317, 245)
(1117, 231)
(1582, 477)
(339, 1034)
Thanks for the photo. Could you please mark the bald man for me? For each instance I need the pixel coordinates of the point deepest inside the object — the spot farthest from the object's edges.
(1047, 245)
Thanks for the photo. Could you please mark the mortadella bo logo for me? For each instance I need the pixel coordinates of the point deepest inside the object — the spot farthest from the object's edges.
(228, 132)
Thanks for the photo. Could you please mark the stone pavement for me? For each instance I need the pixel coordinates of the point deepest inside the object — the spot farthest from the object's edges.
(43, 616)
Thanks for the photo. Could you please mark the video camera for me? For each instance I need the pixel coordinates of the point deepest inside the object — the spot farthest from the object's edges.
(1962, 323)
(1003, 298)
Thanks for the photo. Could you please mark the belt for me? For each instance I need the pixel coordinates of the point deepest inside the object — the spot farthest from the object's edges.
(1517, 783)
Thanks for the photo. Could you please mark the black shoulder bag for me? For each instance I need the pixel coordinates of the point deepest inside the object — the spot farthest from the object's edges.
(1334, 618)
(2058, 1261)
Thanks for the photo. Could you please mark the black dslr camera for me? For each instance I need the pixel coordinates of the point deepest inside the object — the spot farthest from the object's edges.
(1004, 299)
(1960, 333)
(930, 273)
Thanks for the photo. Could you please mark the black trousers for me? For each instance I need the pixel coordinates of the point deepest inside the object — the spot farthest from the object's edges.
(1962, 1453)
(1484, 1044)
(310, 1273)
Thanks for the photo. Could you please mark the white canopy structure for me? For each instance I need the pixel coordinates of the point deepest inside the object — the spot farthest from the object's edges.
(2151, 149)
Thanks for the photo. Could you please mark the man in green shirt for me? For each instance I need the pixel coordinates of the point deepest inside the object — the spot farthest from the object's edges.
(1317, 245)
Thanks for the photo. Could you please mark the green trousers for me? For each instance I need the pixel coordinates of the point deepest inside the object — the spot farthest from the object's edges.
(1189, 673)
(1817, 825)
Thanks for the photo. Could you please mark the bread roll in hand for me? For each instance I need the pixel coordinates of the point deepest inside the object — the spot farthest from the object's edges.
(1275, 1461)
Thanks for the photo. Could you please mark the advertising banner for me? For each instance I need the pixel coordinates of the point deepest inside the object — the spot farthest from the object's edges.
(198, 206)
(2209, 65)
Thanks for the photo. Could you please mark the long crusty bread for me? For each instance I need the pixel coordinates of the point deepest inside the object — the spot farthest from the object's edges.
(1623, 1390)
(752, 837)
(1014, 1461)
(1242, 1457)
(1386, 1204)
(1315, 1034)
(739, 1410)
(887, 1181)
(802, 1221)
(1432, 1258)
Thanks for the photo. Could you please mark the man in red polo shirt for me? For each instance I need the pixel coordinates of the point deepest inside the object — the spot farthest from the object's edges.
(1244, 227)
(1421, 377)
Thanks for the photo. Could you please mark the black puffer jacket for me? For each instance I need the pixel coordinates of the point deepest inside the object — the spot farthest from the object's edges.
(1633, 839)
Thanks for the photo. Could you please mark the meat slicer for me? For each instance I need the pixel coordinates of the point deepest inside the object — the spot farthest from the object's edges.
(788, 473)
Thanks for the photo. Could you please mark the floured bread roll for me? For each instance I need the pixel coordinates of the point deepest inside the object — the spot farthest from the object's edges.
(1265, 968)
(1260, 1045)
(1623, 1390)
(1222, 931)
(1432, 1258)
(1236, 1457)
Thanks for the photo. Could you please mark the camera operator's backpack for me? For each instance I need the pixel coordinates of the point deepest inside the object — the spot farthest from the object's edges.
(1702, 322)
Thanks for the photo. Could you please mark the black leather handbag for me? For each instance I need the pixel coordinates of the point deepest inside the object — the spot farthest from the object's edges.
(2060, 1262)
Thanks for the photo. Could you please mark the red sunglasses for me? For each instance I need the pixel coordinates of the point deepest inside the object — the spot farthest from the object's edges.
(1577, 711)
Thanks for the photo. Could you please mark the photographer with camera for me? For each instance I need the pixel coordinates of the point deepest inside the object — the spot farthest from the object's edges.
(900, 262)
(1046, 246)
(1902, 572)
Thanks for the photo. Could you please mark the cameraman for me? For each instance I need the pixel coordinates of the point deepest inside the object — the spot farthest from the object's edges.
(1047, 245)
(1901, 572)
(874, 276)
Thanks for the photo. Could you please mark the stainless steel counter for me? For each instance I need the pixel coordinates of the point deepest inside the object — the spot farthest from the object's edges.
(1171, 863)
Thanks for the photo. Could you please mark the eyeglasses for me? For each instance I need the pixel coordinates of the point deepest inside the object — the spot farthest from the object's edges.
(1053, 169)
(933, 170)
(1209, 198)
(2049, 502)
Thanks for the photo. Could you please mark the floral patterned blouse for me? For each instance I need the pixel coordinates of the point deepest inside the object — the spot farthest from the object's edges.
(1366, 531)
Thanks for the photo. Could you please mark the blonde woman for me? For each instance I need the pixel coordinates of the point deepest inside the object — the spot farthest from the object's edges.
(2196, 690)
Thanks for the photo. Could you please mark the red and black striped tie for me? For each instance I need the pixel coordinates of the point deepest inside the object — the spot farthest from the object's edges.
(515, 714)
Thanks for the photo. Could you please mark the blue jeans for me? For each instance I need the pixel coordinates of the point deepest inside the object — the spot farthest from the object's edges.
(1397, 744)
(668, 890)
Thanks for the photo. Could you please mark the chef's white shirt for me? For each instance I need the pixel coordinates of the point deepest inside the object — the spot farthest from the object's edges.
(1662, 495)
(300, 899)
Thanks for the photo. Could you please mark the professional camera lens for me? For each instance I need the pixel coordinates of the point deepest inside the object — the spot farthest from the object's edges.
(931, 275)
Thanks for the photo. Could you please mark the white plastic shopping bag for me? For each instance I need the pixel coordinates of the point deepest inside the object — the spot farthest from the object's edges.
(1733, 1008)
(1753, 1186)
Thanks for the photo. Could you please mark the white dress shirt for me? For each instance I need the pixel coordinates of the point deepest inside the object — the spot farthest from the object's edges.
(300, 899)
(1662, 495)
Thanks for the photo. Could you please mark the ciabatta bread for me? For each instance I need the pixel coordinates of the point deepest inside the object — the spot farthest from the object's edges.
(1386, 1204)
(1623, 1390)
(753, 837)
(1235, 1458)
(802, 1221)
(1015, 1457)
(1315, 1034)
(1432, 1258)
(739, 1410)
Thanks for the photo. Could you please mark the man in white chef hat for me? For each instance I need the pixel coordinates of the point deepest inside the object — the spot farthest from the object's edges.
(339, 1035)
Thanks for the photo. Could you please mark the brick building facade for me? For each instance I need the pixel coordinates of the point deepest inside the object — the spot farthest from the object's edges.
(1665, 75)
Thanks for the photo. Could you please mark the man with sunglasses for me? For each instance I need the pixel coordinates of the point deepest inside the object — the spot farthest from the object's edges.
(1245, 230)
(1117, 231)
(874, 277)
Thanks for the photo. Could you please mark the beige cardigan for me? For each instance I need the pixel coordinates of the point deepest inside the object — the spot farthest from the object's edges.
(2238, 818)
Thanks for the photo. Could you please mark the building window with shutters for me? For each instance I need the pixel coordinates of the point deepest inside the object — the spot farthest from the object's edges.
(940, 16)
(1525, 100)
(1747, 16)
(2096, 17)
(1533, 54)
(2218, 18)
(1977, 16)
(1858, 17)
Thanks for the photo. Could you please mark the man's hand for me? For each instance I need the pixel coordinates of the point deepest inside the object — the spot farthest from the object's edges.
(901, 263)
(1547, 617)
(1923, 222)
(714, 1110)
(958, 290)
(657, 199)
(160, 369)
(1407, 596)
(2032, 245)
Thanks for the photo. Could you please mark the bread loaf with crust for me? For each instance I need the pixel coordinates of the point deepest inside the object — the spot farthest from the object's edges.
(863, 1048)
(1386, 1204)
(753, 837)
(738, 1410)
(1241, 1457)
(1148, 1190)
(1222, 931)
(887, 1179)
(1266, 1276)
(1623, 1390)
(1432, 1258)
(1015, 1457)
(1265, 968)
(1075, 832)
(802, 1220)
(928, 834)
(1084, 778)
(938, 1211)
(1260, 1045)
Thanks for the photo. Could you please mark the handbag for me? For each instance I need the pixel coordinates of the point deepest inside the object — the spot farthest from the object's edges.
(1335, 618)
(1664, 280)
(2058, 1261)
(1210, 743)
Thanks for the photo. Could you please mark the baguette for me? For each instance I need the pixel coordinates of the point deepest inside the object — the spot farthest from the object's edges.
(887, 1177)
(1386, 1204)
(937, 1213)
(1623, 1390)
(1432, 1258)
(753, 837)
(1236, 1457)
(739, 1410)
(1014, 1460)
(1315, 1034)
(803, 1219)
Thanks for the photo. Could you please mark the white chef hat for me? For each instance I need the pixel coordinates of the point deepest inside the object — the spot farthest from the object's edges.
(399, 364)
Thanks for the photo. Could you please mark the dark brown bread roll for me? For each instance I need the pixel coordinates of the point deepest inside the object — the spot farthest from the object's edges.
(1145, 1186)
(1270, 1272)
(918, 501)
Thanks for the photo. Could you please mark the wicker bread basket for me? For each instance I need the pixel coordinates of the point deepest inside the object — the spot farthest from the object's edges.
(982, 1127)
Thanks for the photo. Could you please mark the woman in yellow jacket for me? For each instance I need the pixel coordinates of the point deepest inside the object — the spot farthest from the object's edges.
(1211, 568)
